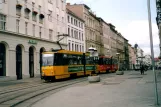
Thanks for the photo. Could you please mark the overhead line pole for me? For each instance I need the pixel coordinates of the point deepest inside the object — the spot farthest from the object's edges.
(152, 53)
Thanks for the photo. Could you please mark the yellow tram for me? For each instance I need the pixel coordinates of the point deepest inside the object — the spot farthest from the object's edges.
(64, 64)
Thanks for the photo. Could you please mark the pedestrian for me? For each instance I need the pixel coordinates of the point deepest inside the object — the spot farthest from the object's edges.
(142, 70)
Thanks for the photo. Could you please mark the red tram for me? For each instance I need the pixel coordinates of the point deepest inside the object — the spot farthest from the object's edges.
(107, 64)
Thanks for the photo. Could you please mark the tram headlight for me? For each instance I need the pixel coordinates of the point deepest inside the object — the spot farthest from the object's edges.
(43, 73)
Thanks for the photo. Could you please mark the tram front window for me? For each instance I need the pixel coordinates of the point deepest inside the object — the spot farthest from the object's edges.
(47, 59)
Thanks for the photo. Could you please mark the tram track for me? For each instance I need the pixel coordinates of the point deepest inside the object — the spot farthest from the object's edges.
(26, 94)
(30, 96)
(26, 86)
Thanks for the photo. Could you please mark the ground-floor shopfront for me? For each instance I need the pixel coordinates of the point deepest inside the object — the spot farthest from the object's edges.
(20, 56)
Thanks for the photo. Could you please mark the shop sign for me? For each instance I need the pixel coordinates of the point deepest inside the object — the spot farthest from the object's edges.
(32, 42)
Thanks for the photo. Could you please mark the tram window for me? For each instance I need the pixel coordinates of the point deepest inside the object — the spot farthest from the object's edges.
(89, 60)
(100, 61)
(74, 59)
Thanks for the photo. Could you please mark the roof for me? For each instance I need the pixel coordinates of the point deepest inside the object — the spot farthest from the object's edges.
(69, 11)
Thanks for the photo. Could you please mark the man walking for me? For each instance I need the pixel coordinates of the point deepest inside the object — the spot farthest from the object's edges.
(142, 70)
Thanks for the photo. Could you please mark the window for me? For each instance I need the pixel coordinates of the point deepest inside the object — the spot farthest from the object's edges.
(50, 34)
(41, 17)
(50, 1)
(68, 19)
(40, 33)
(71, 20)
(34, 14)
(18, 10)
(68, 30)
(75, 47)
(39, 9)
(27, 12)
(72, 33)
(79, 25)
(33, 30)
(72, 47)
(2, 22)
(17, 25)
(82, 37)
(50, 15)
(69, 46)
(26, 27)
(79, 36)
(82, 25)
(74, 21)
(80, 48)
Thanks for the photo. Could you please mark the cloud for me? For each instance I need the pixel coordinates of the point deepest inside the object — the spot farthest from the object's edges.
(138, 32)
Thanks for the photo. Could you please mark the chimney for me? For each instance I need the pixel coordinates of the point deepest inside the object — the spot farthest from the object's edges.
(68, 4)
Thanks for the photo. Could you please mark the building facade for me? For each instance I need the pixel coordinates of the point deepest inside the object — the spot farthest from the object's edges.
(105, 28)
(139, 58)
(120, 50)
(92, 25)
(113, 40)
(126, 53)
(132, 57)
(29, 27)
(76, 32)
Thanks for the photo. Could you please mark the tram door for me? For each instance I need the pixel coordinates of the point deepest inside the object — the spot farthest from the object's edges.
(19, 62)
(31, 62)
(2, 60)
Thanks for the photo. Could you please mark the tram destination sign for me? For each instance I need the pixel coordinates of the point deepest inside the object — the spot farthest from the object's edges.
(32, 41)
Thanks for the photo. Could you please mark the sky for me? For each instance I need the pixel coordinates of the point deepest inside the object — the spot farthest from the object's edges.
(130, 18)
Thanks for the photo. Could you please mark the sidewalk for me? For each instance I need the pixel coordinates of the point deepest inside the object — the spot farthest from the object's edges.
(128, 90)
(11, 79)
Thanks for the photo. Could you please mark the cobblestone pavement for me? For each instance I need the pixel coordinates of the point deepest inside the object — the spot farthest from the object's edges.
(128, 90)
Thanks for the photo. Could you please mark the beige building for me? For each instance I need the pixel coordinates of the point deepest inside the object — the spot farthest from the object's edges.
(120, 49)
(92, 25)
(113, 40)
(105, 28)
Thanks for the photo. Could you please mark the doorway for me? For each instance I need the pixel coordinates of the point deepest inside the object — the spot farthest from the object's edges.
(19, 62)
(31, 62)
(2, 60)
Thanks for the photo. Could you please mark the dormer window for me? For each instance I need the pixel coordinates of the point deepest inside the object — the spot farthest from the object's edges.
(27, 12)
(41, 17)
(18, 9)
(34, 14)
